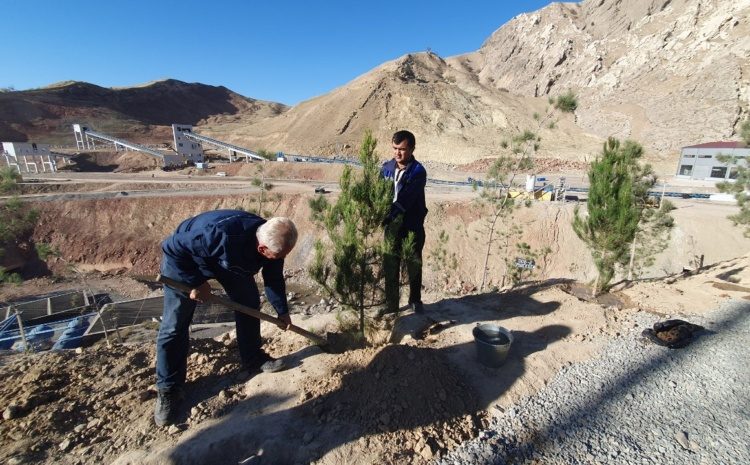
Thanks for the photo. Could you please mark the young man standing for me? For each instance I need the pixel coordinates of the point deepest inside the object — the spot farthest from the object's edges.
(406, 217)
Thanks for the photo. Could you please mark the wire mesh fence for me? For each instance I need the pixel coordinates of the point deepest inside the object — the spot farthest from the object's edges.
(117, 315)
(54, 335)
(68, 301)
(71, 319)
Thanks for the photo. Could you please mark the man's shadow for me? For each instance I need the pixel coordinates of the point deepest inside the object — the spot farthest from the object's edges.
(203, 388)
(476, 308)
(404, 387)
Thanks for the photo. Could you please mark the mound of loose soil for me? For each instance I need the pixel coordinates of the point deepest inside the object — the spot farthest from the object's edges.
(403, 396)
(91, 405)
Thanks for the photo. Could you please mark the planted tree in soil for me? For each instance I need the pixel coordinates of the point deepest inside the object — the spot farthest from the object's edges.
(348, 264)
(259, 181)
(618, 190)
(496, 190)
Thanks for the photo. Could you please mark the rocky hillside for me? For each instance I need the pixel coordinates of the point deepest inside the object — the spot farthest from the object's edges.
(456, 117)
(668, 73)
(141, 113)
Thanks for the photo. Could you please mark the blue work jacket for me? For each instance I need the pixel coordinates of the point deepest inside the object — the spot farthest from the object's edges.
(410, 200)
(213, 243)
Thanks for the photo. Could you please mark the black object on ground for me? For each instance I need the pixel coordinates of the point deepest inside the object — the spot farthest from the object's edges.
(674, 334)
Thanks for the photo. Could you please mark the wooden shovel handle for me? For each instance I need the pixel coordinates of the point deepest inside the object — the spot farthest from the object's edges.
(242, 309)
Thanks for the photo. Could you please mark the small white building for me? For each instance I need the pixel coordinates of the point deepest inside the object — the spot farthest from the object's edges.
(29, 157)
(702, 161)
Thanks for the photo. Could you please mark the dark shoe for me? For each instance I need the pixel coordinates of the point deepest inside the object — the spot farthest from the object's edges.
(265, 363)
(418, 307)
(167, 403)
(273, 365)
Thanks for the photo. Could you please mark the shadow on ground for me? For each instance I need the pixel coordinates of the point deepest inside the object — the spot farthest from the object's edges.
(402, 388)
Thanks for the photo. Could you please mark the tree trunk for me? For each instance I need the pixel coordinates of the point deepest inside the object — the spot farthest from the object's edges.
(361, 302)
(487, 253)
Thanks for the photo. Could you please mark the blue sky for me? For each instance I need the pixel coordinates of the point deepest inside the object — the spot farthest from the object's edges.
(283, 51)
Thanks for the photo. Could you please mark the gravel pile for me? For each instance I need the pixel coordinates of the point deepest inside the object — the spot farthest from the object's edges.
(637, 403)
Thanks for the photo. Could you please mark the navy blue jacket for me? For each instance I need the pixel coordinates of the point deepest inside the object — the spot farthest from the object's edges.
(410, 201)
(220, 241)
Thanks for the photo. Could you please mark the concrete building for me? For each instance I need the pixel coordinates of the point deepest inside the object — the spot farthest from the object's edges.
(701, 161)
(29, 157)
(188, 148)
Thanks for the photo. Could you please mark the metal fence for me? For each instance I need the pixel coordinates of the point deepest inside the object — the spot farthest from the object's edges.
(69, 320)
(58, 303)
(116, 315)
(60, 334)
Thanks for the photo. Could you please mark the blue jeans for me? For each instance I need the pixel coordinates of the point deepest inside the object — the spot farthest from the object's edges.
(173, 341)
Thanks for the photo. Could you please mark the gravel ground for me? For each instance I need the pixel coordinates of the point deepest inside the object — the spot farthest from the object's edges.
(637, 403)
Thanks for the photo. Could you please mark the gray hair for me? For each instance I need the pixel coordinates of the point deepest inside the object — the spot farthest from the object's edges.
(278, 234)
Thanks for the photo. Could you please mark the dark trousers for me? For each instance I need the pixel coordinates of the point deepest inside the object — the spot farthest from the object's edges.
(392, 269)
(173, 341)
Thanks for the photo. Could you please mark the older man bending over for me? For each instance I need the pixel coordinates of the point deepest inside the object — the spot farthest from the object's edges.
(230, 246)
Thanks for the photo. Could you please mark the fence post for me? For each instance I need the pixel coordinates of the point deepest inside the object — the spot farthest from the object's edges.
(21, 331)
(104, 326)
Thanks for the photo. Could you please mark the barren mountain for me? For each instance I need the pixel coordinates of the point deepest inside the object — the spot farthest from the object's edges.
(666, 73)
(455, 116)
(141, 113)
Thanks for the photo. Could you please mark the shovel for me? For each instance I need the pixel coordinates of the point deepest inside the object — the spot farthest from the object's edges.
(243, 309)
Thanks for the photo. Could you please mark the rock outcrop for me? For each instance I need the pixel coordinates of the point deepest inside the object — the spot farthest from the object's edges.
(667, 73)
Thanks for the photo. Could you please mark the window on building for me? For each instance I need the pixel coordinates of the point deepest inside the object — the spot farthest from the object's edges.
(733, 172)
(180, 144)
(686, 170)
(689, 156)
(719, 172)
(705, 156)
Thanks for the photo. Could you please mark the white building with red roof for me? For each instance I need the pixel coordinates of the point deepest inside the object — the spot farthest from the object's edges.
(703, 162)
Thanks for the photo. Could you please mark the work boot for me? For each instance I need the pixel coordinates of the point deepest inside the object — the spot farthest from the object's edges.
(265, 363)
(418, 307)
(167, 403)
(273, 365)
